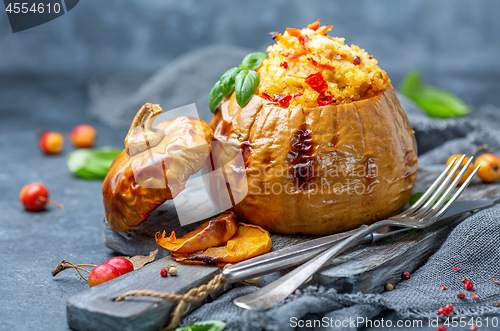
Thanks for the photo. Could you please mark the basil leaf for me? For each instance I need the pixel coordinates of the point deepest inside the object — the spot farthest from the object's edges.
(414, 198)
(246, 84)
(227, 81)
(215, 97)
(91, 163)
(253, 61)
(435, 102)
(208, 326)
(204, 326)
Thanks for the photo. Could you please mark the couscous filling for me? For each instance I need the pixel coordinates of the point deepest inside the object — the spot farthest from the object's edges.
(309, 68)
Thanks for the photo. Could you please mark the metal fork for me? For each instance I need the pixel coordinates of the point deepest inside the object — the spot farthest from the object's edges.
(425, 212)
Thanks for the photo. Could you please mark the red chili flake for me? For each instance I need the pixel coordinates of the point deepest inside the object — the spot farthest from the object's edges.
(357, 60)
(468, 285)
(475, 296)
(313, 26)
(314, 62)
(495, 281)
(326, 65)
(443, 288)
(303, 39)
(284, 100)
(268, 97)
(461, 295)
(343, 56)
(317, 82)
(456, 268)
(284, 64)
(325, 100)
(144, 216)
(370, 57)
(473, 328)
(298, 94)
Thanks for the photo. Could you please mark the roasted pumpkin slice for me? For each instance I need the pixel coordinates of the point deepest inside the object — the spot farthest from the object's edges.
(249, 241)
(215, 232)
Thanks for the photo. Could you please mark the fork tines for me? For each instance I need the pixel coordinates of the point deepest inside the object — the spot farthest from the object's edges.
(430, 204)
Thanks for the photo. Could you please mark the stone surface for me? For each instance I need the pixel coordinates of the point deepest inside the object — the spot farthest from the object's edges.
(181, 82)
(33, 243)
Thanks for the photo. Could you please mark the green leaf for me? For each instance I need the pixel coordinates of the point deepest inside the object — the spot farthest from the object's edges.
(253, 61)
(414, 198)
(227, 81)
(246, 84)
(435, 102)
(204, 326)
(215, 97)
(91, 163)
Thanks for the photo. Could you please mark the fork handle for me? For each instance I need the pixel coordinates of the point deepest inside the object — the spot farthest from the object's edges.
(275, 292)
(286, 257)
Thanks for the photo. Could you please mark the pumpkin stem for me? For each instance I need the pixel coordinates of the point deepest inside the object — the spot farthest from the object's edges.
(141, 134)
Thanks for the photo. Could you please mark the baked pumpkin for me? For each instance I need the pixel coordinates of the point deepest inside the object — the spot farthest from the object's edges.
(215, 232)
(154, 166)
(326, 144)
(248, 241)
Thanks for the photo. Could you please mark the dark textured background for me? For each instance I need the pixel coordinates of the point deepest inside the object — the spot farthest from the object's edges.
(45, 73)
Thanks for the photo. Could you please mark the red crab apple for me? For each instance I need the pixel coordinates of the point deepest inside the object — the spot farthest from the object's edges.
(83, 136)
(102, 273)
(51, 142)
(121, 264)
(35, 196)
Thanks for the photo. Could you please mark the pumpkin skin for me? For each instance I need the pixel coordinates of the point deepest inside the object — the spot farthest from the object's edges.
(321, 170)
(136, 185)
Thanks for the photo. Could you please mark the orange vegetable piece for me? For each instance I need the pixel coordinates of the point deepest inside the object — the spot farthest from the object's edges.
(215, 232)
(294, 32)
(490, 167)
(314, 26)
(249, 241)
(467, 173)
(324, 29)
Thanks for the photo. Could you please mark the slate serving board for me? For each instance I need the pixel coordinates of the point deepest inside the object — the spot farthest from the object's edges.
(362, 268)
